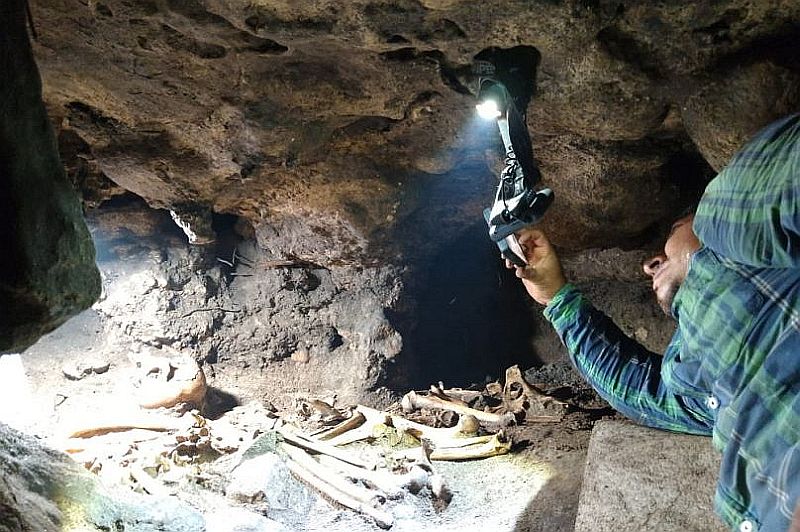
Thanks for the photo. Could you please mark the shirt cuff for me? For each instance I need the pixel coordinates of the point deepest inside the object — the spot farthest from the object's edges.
(555, 309)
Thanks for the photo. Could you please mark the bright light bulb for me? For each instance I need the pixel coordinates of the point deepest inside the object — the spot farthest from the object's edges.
(488, 110)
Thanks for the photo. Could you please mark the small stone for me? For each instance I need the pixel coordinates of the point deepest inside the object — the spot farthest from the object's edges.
(302, 356)
(98, 366)
(78, 369)
(75, 371)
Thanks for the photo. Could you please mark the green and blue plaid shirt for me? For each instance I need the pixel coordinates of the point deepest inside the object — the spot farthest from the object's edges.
(732, 369)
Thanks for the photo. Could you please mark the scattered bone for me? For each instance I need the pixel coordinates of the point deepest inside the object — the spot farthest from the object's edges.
(167, 377)
(440, 490)
(328, 414)
(494, 389)
(413, 401)
(467, 396)
(301, 356)
(94, 445)
(393, 485)
(382, 519)
(360, 493)
(154, 452)
(496, 445)
(147, 483)
(295, 438)
(124, 423)
(355, 420)
(365, 431)
(438, 391)
(470, 449)
(175, 391)
(467, 425)
(521, 397)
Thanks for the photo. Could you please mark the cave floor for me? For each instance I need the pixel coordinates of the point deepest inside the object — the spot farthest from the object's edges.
(536, 487)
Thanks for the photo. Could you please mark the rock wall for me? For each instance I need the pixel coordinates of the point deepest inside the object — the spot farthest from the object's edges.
(47, 270)
(342, 136)
(325, 123)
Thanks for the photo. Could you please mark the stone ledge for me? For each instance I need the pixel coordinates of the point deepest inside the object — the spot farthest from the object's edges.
(641, 479)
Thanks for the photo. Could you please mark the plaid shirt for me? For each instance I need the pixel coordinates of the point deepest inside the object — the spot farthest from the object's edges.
(732, 369)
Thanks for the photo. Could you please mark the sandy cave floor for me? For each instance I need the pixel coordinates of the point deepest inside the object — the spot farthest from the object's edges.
(536, 487)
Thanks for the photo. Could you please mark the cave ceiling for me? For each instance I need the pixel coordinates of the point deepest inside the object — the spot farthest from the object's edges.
(339, 128)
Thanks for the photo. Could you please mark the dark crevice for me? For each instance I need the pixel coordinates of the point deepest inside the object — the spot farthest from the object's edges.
(103, 10)
(84, 116)
(401, 54)
(781, 47)
(366, 125)
(197, 12)
(205, 50)
(442, 30)
(261, 45)
(690, 173)
(263, 18)
(471, 320)
(452, 75)
(720, 31)
(397, 39)
(627, 49)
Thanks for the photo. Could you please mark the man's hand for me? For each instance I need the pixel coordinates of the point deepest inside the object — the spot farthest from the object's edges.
(542, 277)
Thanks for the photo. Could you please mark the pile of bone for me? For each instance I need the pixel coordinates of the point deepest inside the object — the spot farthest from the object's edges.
(357, 457)
(409, 447)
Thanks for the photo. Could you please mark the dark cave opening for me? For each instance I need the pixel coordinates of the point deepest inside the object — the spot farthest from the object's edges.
(472, 316)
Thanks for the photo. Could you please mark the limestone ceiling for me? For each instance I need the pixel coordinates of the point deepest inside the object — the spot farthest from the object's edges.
(337, 128)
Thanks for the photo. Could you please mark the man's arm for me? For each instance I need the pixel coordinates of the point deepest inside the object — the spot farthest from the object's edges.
(620, 369)
(750, 212)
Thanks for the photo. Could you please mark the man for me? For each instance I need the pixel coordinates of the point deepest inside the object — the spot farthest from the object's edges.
(730, 276)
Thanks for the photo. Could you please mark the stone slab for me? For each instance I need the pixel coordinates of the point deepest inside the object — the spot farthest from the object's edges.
(640, 479)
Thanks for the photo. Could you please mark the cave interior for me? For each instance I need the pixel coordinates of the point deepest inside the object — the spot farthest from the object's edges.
(235, 215)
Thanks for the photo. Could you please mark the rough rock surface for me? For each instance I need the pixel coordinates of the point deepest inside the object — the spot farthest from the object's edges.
(341, 136)
(325, 124)
(41, 489)
(642, 479)
(47, 271)
(280, 326)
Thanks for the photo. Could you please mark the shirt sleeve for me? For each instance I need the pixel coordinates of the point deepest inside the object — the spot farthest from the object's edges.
(620, 369)
(750, 212)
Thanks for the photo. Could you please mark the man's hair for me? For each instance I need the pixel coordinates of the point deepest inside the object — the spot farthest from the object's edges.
(689, 209)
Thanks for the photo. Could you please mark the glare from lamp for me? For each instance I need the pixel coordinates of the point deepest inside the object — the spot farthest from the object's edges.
(488, 110)
(16, 401)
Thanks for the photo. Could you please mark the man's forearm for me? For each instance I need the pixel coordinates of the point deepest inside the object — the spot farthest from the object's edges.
(620, 369)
